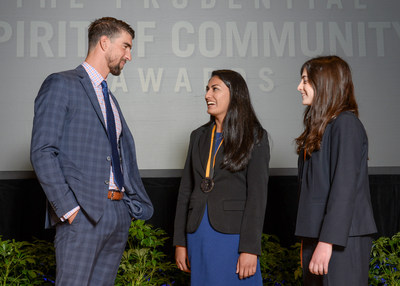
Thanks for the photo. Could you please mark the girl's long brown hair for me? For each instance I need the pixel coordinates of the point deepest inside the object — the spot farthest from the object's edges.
(330, 78)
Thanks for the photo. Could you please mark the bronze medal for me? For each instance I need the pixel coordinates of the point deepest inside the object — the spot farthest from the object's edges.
(207, 185)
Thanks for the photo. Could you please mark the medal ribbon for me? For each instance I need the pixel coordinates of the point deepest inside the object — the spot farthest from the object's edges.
(210, 154)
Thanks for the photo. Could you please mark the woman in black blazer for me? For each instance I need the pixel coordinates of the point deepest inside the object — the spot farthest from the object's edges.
(223, 192)
(335, 219)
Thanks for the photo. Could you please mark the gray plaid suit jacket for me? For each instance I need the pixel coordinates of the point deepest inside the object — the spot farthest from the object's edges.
(70, 150)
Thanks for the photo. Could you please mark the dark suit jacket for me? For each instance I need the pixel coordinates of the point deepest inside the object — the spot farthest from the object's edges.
(335, 199)
(238, 200)
(70, 151)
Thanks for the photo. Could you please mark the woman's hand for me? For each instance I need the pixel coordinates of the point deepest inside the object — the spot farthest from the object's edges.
(320, 259)
(246, 265)
(181, 258)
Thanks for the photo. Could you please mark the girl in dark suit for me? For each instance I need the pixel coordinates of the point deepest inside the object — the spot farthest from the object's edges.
(223, 192)
(335, 219)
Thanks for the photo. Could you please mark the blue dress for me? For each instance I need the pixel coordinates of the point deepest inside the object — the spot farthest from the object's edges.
(213, 256)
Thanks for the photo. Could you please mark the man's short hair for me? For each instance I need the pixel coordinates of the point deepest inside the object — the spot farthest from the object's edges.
(107, 26)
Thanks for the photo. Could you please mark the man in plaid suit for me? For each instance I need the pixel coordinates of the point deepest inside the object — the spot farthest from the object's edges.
(72, 156)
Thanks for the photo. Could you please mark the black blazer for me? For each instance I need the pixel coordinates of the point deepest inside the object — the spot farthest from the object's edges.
(334, 200)
(237, 203)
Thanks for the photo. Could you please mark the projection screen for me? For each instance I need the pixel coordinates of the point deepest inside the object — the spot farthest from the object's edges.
(179, 42)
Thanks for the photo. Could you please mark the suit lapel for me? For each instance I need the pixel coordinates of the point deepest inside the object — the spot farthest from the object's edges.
(119, 111)
(87, 85)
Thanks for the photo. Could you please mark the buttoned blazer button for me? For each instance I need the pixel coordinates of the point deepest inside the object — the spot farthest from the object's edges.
(108, 158)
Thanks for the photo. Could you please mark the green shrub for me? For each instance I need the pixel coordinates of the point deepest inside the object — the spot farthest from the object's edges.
(18, 264)
(142, 262)
(385, 261)
(44, 254)
(279, 265)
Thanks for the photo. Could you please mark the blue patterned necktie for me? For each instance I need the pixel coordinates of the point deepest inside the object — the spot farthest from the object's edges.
(112, 137)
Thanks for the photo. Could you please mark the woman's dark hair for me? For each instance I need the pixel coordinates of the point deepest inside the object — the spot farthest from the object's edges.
(330, 78)
(241, 128)
(107, 26)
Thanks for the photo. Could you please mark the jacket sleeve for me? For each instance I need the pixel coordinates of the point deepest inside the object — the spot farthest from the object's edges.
(50, 113)
(257, 191)
(185, 190)
(347, 149)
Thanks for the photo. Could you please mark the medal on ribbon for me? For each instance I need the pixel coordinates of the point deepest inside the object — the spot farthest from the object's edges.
(207, 183)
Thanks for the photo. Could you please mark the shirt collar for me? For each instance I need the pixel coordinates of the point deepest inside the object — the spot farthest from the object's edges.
(94, 75)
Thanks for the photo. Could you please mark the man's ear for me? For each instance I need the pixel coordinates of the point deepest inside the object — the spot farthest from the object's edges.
(104, 42)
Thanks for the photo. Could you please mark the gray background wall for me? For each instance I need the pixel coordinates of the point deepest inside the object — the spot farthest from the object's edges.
(179, 42)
